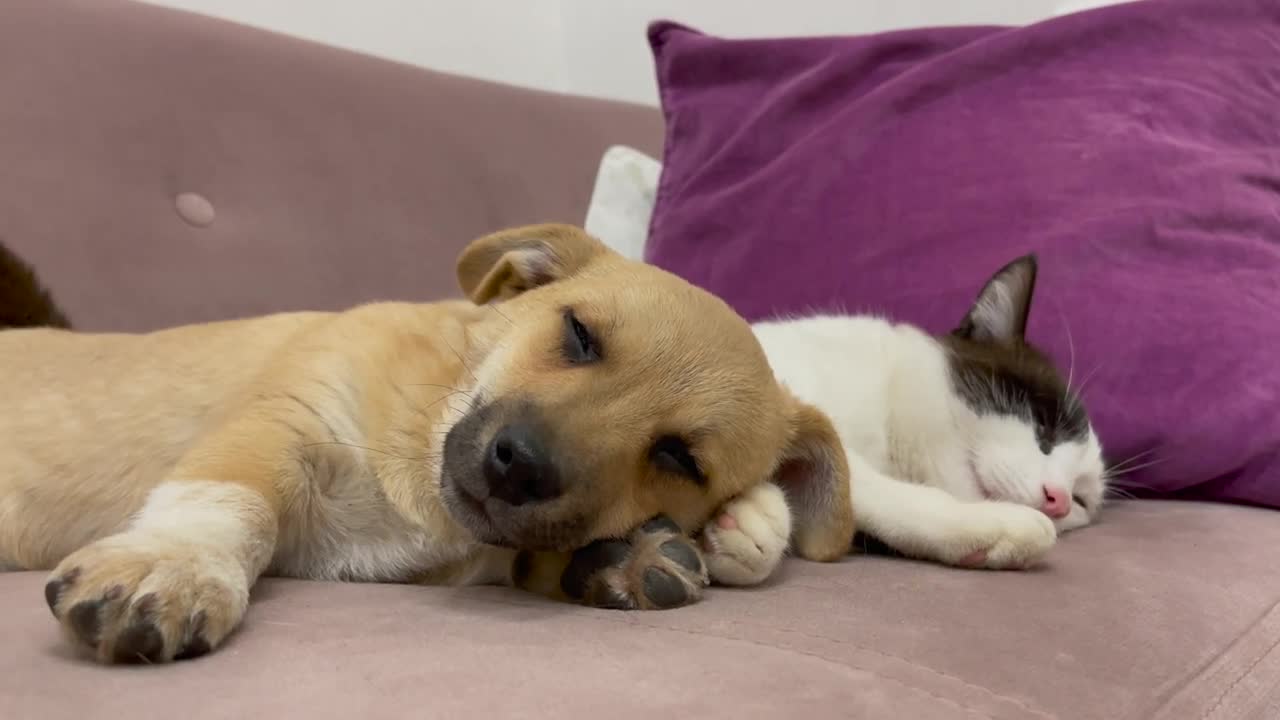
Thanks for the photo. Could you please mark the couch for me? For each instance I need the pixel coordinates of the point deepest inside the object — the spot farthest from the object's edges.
(160, 167)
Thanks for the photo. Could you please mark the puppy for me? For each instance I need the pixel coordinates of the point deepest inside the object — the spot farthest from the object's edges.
(561, 434)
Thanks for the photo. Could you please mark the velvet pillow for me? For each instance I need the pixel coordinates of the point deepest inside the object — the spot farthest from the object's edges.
(1135, 148)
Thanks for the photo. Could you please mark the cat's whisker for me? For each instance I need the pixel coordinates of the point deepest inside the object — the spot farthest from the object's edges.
(1131, 459)
(1120, 493)
(1135, 468)
(1071, 366)
(1116, 474)
(1126, 484)
(1079, 390)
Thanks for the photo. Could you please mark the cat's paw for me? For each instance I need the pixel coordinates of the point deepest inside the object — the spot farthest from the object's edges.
(1003, 536)
(141, 598)
(657, 567)
(746, 540)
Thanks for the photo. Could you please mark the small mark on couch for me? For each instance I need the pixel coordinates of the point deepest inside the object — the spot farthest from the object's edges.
(195, 209)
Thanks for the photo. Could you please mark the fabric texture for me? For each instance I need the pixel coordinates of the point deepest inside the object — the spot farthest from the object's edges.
(1135, 148)
(1153, 614)
(622, 200)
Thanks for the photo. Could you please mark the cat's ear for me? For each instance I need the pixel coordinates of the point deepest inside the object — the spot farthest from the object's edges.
(1000, 312)
(814, 474)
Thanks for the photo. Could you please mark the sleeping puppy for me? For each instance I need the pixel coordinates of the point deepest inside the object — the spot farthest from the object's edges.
(562, 434)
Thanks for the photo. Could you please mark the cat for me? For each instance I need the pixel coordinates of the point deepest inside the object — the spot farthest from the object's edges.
(968, 449)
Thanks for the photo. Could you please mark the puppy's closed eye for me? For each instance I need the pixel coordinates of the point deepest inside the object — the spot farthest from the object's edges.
(579, 345)
(671, 454)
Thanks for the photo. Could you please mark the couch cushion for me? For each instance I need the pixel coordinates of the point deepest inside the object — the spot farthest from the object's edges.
(1134, 147)
(1155, 612)
(163, 168)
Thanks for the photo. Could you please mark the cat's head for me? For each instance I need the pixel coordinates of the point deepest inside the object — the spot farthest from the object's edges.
(1029, 440)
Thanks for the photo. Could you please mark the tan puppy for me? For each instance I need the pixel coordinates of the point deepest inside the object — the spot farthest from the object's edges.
(453, 443)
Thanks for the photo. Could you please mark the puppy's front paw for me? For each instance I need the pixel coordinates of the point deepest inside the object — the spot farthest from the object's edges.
(1008, 536)
(656, 568)
(139, 598)
(746, 540)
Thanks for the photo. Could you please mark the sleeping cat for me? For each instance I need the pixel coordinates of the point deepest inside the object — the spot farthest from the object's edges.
(968, 449)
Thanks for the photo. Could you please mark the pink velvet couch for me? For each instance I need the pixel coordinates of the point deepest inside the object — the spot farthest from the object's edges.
(162, 168)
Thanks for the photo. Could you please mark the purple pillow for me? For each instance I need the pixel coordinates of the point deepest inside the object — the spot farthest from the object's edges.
(1135, 148)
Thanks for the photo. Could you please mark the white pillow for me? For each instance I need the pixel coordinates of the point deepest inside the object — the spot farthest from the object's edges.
(622, 200)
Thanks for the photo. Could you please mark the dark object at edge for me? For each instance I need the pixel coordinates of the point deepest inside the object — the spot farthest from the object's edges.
(24, 302)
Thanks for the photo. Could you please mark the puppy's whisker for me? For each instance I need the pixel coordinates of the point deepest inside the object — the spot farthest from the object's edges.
(447, 396)
(423, 410)
(442, 387)
(494, 307)
(461, 360)
(365, 447)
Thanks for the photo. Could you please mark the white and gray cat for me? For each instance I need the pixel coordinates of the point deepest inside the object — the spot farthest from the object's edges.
(967, 449)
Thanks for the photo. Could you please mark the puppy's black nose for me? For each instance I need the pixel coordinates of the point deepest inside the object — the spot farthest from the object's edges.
(518, 468)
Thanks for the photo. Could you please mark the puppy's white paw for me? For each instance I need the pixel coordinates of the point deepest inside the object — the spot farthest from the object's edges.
(746, 540)
(1006, 536)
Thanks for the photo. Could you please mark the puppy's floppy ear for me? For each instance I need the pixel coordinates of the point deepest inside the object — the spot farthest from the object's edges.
(507, 263)
(1000, 313)
(815, 476)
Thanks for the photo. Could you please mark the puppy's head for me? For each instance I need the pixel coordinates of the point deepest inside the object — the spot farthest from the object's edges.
(608, 391)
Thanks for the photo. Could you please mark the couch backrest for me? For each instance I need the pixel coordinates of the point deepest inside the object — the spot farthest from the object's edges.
(160, 167)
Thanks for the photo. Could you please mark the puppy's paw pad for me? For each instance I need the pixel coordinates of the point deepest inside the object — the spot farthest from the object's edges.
(655, 569)
(745, 543)
(135, 600)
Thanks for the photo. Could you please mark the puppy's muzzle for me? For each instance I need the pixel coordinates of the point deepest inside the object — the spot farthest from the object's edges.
(518, 468)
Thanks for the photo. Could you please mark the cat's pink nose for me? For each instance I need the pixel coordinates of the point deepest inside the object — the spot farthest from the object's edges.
(1057, 504)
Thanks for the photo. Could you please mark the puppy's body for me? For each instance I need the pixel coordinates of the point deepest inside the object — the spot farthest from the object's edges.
(125, 409)
(161, 474)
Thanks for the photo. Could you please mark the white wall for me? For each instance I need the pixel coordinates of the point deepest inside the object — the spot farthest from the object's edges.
(513, 41)
(608, 55)
(590, 47)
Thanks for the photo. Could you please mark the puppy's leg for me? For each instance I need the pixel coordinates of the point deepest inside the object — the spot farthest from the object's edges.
(931, 524)
(655, 568)
(746, 540)
(176, 582)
